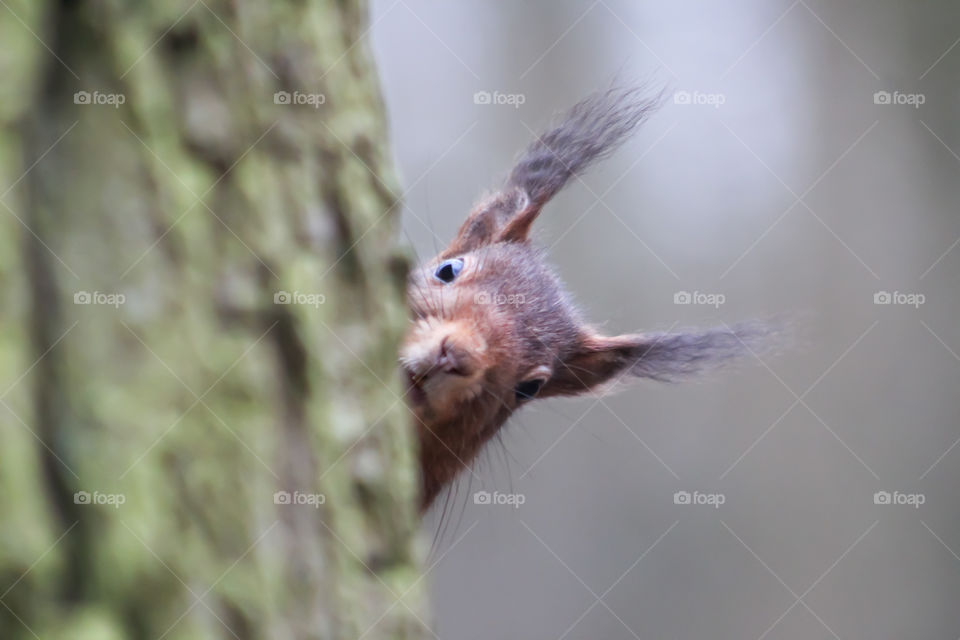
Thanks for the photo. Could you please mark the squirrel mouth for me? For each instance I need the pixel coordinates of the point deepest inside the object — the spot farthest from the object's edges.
(416, 392)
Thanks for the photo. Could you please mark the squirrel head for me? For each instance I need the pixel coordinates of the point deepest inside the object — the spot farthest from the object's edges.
(491, 322)
(492, 328)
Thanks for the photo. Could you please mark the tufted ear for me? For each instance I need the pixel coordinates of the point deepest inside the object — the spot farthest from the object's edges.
(487, 220)
(598, 360)
(517, 228)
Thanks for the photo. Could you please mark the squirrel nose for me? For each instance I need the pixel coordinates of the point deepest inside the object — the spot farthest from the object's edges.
(451, 359)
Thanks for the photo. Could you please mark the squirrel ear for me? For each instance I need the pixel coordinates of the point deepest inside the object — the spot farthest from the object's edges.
(667, 357)
(487, 220)
(517, 229)
(596, 361)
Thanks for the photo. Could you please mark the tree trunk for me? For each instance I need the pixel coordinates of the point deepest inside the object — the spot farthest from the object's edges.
(202, 300)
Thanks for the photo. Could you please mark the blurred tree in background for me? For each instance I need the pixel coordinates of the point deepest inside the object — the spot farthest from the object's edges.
(202, 434)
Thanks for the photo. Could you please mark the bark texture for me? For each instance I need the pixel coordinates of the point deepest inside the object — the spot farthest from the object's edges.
(201, 302)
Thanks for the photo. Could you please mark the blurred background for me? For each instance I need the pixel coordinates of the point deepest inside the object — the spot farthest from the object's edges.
(806, 163)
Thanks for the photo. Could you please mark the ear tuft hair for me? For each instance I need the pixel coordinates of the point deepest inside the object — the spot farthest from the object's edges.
(674, 356)
(591, 130)
(588, 132)
(599, 361)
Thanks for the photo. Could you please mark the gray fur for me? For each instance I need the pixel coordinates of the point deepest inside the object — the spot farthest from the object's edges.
(588, 132)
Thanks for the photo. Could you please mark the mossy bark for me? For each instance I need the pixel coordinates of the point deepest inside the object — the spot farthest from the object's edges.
(156, 391)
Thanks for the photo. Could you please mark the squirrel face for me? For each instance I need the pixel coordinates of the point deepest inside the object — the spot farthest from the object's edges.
(490, 325)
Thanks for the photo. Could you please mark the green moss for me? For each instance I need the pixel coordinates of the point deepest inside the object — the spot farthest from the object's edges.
(116, 201)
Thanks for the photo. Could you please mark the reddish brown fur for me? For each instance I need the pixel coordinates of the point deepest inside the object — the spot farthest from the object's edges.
(505, 319)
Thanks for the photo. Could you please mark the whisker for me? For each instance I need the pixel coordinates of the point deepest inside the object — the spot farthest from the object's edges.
(438, 534)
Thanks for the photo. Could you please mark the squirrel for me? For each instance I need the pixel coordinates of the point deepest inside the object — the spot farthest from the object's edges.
(492, 328)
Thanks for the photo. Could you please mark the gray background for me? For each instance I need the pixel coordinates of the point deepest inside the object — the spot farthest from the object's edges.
(799, 196)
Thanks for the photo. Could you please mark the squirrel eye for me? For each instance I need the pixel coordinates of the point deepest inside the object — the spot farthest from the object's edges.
(527, 389)
(448, 270)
